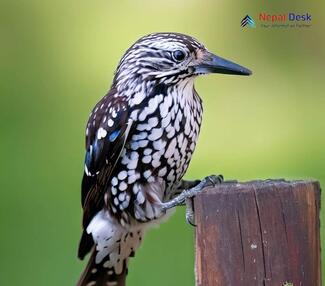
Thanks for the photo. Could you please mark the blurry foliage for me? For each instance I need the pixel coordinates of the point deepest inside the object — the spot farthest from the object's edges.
(57, 59)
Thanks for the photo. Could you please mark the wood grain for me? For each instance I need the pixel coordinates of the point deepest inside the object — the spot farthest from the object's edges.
(259, 233)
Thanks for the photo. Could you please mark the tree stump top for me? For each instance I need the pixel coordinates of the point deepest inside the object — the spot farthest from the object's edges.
(259, 185)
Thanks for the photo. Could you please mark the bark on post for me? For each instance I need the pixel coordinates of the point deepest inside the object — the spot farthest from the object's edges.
(259, 233)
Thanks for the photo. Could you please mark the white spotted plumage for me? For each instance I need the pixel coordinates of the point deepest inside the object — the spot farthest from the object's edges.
(140, 139)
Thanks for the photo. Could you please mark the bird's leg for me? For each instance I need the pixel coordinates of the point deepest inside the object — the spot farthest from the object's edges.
(185, 197)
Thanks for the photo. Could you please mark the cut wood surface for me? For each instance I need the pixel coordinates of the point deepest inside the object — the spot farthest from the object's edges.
(259, 233)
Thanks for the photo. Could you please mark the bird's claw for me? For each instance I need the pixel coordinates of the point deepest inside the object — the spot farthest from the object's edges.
(213, 180)
(189, 213)
(209, 181)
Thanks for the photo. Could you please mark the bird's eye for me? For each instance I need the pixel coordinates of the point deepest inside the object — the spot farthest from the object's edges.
(178, 55)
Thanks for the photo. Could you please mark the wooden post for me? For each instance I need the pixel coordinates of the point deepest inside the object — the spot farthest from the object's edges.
(259, 233)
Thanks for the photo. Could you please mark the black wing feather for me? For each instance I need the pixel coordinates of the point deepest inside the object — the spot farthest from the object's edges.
(107, 131)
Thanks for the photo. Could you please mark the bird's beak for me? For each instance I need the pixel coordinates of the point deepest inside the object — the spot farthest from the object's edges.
(214, 64)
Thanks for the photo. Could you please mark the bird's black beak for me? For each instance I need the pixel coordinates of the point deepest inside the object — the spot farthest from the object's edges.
(214, 64)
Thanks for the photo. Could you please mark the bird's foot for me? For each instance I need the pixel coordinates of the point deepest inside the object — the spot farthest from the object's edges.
(209, 181)
(186, 196)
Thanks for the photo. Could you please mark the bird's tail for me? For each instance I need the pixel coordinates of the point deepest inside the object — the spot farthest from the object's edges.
(98, 275)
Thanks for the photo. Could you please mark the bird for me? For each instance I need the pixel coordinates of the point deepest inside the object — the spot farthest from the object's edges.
(140, 138)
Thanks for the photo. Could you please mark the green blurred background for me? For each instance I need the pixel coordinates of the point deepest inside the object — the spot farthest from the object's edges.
(57, 59)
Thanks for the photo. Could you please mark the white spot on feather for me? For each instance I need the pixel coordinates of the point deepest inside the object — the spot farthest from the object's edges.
(122, 175)
(136, 189)
(86, 171)
(101, 133)
(121, 196)
(140, 198)
(132, 164)
(110, 122)
(155, 134)
(147, 151)
(146, 159)
(114, 181)
(155, 163)
(159, 144)
(171, 148)
(114, 190)
(147, 174)
(162, 172)
(123, 186)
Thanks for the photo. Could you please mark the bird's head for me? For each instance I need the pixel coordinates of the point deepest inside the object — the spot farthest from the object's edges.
(170, 58)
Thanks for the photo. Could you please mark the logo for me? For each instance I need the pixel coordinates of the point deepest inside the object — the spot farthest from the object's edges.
(278, 20)
(248, 21)
(264, 17)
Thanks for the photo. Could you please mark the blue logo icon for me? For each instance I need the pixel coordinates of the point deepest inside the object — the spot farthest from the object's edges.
(247, 21)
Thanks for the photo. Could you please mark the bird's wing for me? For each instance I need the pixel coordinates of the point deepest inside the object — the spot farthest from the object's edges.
(107, 131)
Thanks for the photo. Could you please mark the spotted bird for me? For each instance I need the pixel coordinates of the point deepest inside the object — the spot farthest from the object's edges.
(140, 138)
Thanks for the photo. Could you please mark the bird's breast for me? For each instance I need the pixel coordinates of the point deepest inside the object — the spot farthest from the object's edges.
(164, 136)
